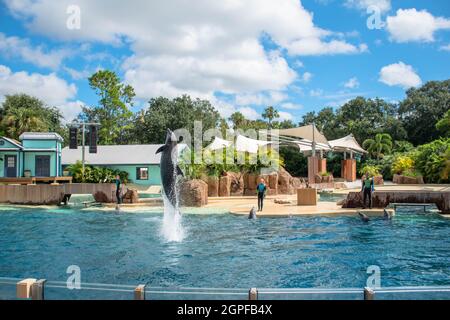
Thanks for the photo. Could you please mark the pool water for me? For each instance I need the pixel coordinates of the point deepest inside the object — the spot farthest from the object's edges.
(222, 250)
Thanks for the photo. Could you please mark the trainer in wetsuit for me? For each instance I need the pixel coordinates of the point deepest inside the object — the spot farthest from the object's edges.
(367, 188)
(261, 191)
(118, 189)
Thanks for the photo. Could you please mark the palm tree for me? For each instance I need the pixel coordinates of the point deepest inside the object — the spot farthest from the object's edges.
(378, 146)
(270, 113)
(22, 120)
(238, 120)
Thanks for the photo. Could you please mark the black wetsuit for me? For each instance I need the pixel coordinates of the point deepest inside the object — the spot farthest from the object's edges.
(367, 188)
(261, 189)
(118, 188)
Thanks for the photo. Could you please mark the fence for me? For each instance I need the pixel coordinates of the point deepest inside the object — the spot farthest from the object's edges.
(14, 288)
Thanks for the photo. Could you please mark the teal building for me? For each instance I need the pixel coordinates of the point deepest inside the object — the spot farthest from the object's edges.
(140, 161)
(37, 154)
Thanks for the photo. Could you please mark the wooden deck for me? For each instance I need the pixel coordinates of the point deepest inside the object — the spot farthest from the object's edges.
(35, 180)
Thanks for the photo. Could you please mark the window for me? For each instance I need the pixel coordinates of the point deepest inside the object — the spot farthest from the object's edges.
(142, 173)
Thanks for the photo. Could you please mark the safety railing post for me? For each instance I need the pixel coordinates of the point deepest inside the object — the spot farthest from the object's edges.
(139, 292)
(37, 290)
(369, 294)
(253, 294)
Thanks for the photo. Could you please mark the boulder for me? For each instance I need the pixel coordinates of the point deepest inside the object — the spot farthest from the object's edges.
(273, 181)
(378, 180)
(131, 196)
(252, 181)
(399, 179)
(225, 186)
(284, 182)
(100, 196)
(317, 178)
(194, 193)
(213, 186)
(236, 183)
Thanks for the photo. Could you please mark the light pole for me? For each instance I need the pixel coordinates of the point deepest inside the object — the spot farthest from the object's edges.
(83, 139)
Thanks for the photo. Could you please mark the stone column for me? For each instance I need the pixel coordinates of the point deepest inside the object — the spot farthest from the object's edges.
(313, 168)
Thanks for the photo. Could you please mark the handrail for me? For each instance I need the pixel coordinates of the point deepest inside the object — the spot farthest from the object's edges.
(251, 293)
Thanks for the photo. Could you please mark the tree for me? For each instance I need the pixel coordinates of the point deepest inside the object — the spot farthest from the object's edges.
(443, 125)
(21, 113)
(422, 108)
(150, 126)
(378, 146)
(113, 112)
(238, 120)
(270, 113)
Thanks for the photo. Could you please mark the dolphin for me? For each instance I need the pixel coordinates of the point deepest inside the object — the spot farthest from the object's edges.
(363, 217)
(252, 213)
(169, 168)
(387, 215)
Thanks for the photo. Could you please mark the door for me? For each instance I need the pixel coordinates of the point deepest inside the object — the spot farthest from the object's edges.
(42, 166)
(10, 166)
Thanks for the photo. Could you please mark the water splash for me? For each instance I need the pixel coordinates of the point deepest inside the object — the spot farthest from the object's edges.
(172, 227)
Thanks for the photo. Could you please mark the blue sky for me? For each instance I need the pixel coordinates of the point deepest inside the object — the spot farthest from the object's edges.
(298, 56)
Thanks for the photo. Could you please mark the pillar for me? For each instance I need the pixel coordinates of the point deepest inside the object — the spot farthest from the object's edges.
(348, 170)
(322, 165)
(313, 169)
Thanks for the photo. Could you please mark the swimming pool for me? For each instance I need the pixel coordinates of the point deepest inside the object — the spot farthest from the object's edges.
(225, 251)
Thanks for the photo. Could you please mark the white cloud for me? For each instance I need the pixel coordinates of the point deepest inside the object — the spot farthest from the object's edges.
(49, 88)
(306, 77)
(291, 106)
(272, 97)
(15, 46)
(352, 83)
(400, 74)
(410, 25)
(249, 113)
(200, 48)
(71, 109)
(383, 5)
(285, 116)
(445, 48)
(315, 92)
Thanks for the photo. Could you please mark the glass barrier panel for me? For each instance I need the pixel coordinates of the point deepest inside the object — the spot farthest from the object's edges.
(89, 291)
(413, 293)
(195, 294)
(311, 294)
(8, 288)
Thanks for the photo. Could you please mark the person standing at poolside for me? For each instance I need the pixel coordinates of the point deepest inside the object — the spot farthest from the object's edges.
(367, 188)
(261, 191)
(118, 189)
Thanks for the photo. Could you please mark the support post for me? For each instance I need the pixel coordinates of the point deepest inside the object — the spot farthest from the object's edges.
(23, 288)
(37, 290)
(369, 294)
(139, 292)
(253, 294)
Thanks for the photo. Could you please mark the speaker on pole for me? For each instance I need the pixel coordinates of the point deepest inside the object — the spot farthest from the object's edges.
(73, 138)
(93, 139)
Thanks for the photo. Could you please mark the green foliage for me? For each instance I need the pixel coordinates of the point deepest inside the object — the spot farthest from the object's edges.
(371, 170)
(270, 113)
(23, 113)
(402, 164)
(294, 161)
(382, 143)
(95, 174)
(402, 146)
(432, 160)
(422, 108)
(113, 111)
(150, 125)
(443, 125)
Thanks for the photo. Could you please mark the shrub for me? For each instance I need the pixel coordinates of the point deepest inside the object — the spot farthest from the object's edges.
(402, 163)
(431, 160)
(371, 170)
(95, 174)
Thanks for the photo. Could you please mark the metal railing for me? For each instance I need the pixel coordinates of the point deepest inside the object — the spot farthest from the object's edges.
(41, 289)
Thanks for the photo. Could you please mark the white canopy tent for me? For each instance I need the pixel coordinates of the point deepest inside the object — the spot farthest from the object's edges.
(218, 144)
(347, 144)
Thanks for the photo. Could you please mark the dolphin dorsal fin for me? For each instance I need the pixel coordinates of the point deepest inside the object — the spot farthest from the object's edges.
(160, 149)
(179, 172)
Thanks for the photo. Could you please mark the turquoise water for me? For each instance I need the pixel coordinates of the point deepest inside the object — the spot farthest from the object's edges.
(221, 250)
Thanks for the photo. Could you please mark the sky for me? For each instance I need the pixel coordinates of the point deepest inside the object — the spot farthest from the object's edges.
(242, 55)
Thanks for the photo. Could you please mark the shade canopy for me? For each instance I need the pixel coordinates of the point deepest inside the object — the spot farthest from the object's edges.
(346, 144)
(309, 132)
(305, 145)
(218, 144)
(244, 144)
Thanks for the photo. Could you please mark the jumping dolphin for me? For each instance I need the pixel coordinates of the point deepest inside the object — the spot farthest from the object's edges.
(363, 217)
(169, 168)
(252, 213)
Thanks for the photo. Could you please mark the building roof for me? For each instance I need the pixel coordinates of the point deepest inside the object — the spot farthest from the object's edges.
(308, 132)
(40, 136)
(116, 155)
